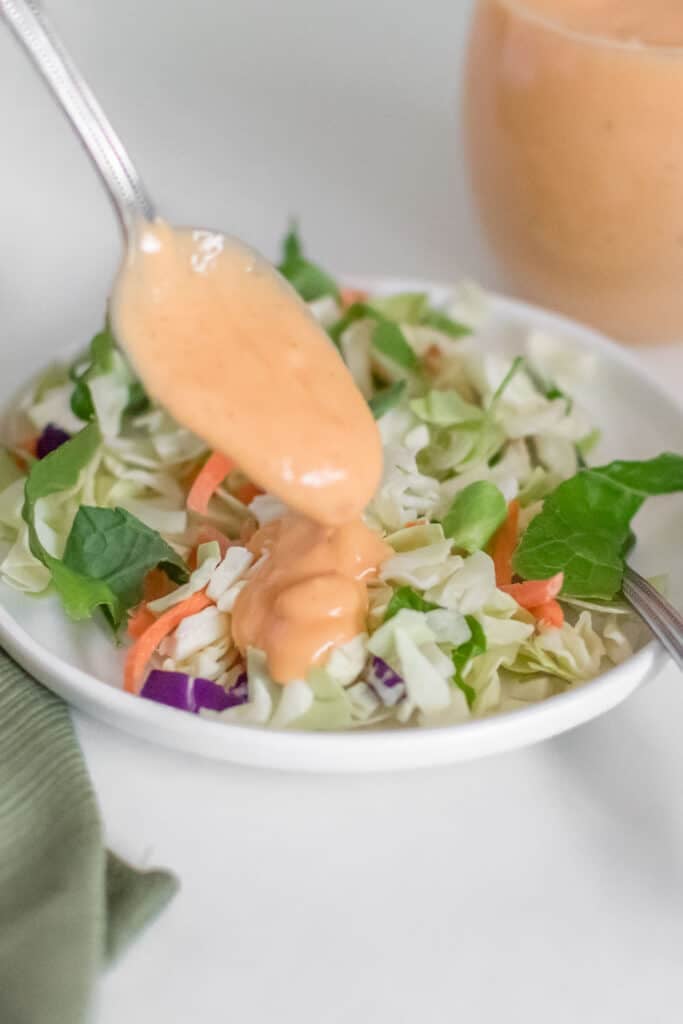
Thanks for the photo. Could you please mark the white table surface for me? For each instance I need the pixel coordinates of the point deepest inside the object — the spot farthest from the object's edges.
(543, 885)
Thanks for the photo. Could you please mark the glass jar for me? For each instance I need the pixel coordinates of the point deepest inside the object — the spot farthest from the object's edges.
(574, 137)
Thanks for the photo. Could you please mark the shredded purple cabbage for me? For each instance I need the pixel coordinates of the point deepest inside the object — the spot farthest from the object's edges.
(51, 438)
(239, 692)
(387, 684)
(178, 690)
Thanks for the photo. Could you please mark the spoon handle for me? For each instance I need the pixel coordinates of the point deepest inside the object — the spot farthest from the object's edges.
(662, 618)
(101, 142)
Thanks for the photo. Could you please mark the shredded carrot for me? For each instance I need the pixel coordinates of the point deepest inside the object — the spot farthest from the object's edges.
(549, 615)
(29, 445)
(350, 295)
(504, 544)
(207, 533)
(140, 621)
(414, 522)
(534, 593)
(208, 479)
(142, 650)
(247, 493)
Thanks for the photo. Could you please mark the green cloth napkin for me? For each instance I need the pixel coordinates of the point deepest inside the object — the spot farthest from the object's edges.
(67, 905)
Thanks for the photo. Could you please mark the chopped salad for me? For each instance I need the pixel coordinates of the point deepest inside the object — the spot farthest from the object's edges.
(503, 588)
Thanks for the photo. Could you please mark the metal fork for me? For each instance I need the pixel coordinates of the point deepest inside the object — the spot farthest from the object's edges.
(662, 618)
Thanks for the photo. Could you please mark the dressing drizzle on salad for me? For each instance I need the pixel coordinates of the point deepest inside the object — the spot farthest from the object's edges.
(309, 595)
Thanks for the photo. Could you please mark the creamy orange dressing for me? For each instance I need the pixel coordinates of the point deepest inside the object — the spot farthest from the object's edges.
(234, 354)
(574, 125)
(309, 594)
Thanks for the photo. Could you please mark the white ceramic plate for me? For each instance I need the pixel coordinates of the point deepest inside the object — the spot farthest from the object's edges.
(638, 420)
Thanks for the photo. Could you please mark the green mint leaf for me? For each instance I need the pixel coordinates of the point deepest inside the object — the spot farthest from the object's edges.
(406, 597)
(113, 547)
(81, 596)
(438, 320)
(355, 312)
(404, 308)
(463, 654)
(384, 400)
(413, 308)
(471, 648)
(81, 402)
(629, 544)
(309, 280)
(475, 515)
(102, 349)
(138, 400)
(60, 471)
(584, 528)
(407, 308)
(101, 359)
(292, 249)
(84, 578)
(389, 339)
(662, 475)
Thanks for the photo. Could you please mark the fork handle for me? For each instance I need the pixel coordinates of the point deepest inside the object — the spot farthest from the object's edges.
(662, 618)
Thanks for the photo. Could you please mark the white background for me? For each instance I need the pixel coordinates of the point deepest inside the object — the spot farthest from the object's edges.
(543, 885)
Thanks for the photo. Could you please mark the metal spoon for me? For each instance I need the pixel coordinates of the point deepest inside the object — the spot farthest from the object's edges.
(662, 618)
(101, 143)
